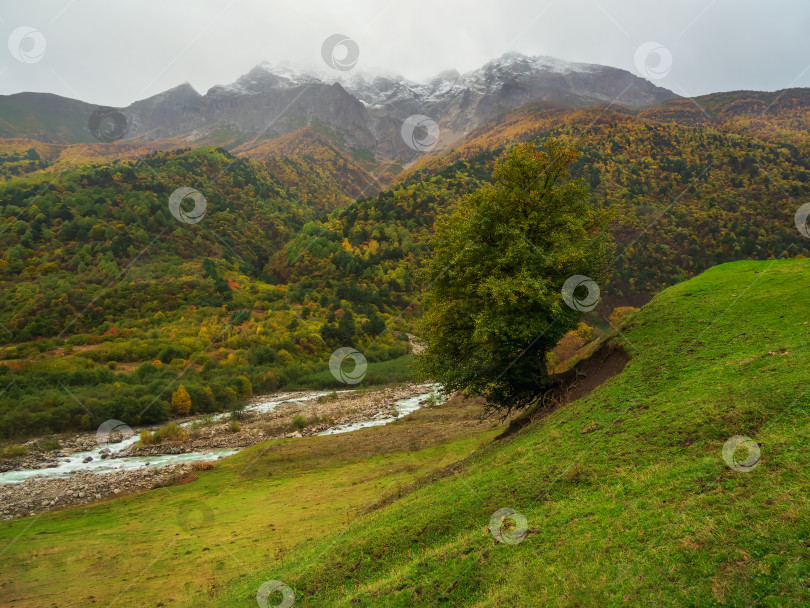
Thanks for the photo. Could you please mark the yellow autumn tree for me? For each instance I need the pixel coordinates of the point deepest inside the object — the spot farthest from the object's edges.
(181, 401)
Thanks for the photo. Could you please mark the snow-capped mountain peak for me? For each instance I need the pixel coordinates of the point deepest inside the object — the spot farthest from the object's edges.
(368, 110)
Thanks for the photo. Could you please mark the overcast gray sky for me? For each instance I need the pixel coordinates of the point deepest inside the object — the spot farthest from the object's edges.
(115, 52)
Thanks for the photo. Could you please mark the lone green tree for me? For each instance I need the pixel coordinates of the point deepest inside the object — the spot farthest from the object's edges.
(494, 306)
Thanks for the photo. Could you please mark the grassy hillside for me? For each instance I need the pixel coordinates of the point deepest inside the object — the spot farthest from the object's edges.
(626, 494)
(181, 545)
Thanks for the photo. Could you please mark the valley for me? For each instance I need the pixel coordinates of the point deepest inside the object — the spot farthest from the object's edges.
(528, 333)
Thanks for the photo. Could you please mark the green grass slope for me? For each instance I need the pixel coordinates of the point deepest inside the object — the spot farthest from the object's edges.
(627, 497)
(181, 545)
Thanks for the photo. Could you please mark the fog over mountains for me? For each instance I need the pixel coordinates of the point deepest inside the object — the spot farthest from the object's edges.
(359, 111)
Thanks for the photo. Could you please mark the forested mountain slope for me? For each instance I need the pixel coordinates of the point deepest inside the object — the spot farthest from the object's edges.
(111, 298)
(99, 278)
(684, 198)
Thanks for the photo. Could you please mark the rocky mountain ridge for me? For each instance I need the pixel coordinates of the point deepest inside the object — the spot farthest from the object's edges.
(360, 112)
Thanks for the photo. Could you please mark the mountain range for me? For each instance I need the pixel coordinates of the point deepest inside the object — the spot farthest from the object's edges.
(333, 138)
(362, 113)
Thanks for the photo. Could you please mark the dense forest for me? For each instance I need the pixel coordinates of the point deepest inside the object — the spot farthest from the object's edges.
(684, 198)
(110, 303)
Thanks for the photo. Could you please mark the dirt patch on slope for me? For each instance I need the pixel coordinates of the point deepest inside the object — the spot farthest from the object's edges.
(590, 373)
(606, 362)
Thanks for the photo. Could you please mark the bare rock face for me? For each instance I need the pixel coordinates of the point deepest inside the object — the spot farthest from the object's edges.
(459, 103)
(171, 112)
(260, 105)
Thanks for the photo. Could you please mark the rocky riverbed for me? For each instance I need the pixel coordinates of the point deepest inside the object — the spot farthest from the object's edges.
(37, 495)
(274, 417)
(68, 475)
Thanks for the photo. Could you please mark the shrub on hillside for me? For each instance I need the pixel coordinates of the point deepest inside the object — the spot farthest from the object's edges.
(210, 365)
(171, 352)
(202, 398)
(237, 412)
(146, 438)
(170, 432)
(49, 444)
(262, 355)
(14, 451)
(620, 314)
(299, 423)
(585, 332)
(203, 465)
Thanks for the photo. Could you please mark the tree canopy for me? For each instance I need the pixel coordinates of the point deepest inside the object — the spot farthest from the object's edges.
(493, 306)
